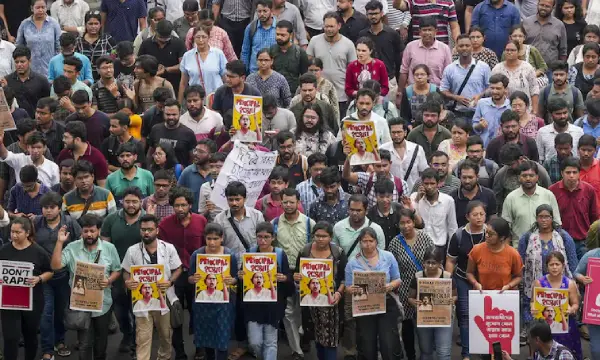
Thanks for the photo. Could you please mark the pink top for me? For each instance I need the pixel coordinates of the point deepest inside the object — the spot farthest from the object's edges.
(357, 74)
(436, 57)
(218, 38)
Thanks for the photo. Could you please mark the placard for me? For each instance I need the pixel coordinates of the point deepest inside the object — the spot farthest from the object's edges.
(86, 293)
(211, 288)
(260, 277)
(370, 299)
(7, 122)
(591, 301)
(436, 302)
(494, 316)
(247, 118)
(552, 306)
(15, 293)
(250, 167)
(147, 296)
(316, 286)
(362, 139)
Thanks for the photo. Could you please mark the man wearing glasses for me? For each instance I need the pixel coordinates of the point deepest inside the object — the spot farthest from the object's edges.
(199, 172)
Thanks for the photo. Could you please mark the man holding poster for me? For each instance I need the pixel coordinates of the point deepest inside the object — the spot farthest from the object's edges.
(362, 140)
(365, 101)
(247, 118)
(149, 269)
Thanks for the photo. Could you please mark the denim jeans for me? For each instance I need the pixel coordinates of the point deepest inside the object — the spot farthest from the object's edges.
(124, 311)
(56, 300)
(462, 312)
(594, 331)
(262, 340)
(438, 340)
(325, 353)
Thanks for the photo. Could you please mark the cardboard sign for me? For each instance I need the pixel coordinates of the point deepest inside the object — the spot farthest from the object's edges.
(247, 118)
(6, 119)
(551, 306)
(260, 277)
(362, 139)
(494, 316)
(147, 296)
(86, 293)
(316, 286)
(591, 301)
(436, 302)
(15, 293)
(211, 288)
(370, 300)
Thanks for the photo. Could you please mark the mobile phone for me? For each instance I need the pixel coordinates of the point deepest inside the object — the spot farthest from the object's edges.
(497, 348)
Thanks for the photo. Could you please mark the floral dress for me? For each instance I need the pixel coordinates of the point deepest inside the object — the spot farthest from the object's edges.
(453, 152)
(522, 78)
(308, 144)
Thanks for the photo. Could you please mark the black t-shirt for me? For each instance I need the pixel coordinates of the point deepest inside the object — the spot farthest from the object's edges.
(389, 224)
(181, 138)
(34, 254)
(223, 99)
(574, 34)
(110, 147)
(467, 241)
(168, 56)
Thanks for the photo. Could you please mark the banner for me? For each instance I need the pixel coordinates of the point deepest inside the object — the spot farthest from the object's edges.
(552, 306)
(362, 139)
(494, 317)
(211, 288)
(247, 118)
(370, 299)
(252, 168)
(147, 296)
(15, 294)
(86, 293)
(436, 302)
(260, 277)
(7, 122)
(316, 286)
(591, 301)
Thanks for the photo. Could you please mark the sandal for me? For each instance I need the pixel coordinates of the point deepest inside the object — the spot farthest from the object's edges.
(62, 350)
(237, 353)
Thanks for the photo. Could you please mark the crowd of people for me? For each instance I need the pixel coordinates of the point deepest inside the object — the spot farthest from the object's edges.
(487, 116)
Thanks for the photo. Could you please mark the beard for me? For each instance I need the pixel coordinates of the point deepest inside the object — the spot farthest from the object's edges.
(195, 112)
(148, 240)
(130, 213)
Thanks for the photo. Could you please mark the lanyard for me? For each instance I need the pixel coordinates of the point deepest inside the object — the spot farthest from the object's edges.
(199, 69)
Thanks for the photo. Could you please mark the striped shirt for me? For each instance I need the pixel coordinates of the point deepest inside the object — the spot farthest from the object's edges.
(102, 203)
(397, 18)
(363, 180)
(443, 10)
(235, 10)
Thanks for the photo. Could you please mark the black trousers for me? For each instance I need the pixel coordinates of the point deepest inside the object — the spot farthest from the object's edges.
(185, 292)
(235, 29)
(379, 333)
(93, 341)
(15, 323)
(408, 339)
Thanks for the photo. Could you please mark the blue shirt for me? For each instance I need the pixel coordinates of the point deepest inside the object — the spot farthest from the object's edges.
(44, 44)
(387, 263)
(122, 18)
(588, 129)
(20, 202)
(487, 110)
(263, 38)
(495, 23)
(583, 263)
(193, 180)
(454, 75)
(55, 67)
(213, 68)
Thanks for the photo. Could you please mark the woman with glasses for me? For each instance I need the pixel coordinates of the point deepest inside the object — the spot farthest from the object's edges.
(529, 54)
(409, 249)
(529, 123)
(480, 52)
(325, 89)
(217, 37)
(94, 43)
(203, 65)
(312, 134)
(432, 339)
(269, 81)
(164, 158)
(376, 333)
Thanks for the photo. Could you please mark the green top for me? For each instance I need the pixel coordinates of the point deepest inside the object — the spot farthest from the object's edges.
(116, 182)
(120, 233)
(76, 251)
(535, 59)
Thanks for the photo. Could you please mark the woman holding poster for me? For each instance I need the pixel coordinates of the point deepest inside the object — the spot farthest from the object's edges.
(556, 279)
(312, 134)
(379, 329)
(322, 324)
(213, 323)
(17, 323)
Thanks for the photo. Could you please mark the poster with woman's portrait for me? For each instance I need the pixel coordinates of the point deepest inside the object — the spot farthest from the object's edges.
(361, 137)
(260, 277)
(435, 302)
(211, 288)
(147, 296)
(86, 292)
(247, 118)
(316, 286)
(551, 306)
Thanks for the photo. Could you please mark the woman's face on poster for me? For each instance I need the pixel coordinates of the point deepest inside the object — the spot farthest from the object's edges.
(211, 281)
(146, 291)
(79, 283)
(315, 286)
(426, 300)
(360, 144)
(258, 280)
(245, 122)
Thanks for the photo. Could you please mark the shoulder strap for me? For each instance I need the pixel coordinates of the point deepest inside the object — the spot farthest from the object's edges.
(307, 229)
(238, 233)
(546, 95)
(275, 225)
(559, 352)
(489, 168)
(527, 52)
(459, 236)
(412, 163)
(386, 108)
(398, 184)
(575, 95)
(88, 203)
(178, 170)
(369, 185)
(464, 83)
(409, 252)
(253, 29)
(279, 253)
(97, 256)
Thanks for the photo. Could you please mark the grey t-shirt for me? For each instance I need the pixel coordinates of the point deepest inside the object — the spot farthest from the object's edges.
(336, 58)
(284, 120)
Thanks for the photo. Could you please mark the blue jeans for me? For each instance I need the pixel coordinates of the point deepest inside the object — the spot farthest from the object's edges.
(437, 340)
(325, 353)
(56, 300)
(262, 340)
(594, 331)
(462, 312)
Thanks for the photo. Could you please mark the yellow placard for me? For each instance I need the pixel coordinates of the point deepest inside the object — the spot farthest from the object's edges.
(551, 305)
(316, 286)
(211, 287)
(260, 277)
(147, 296)
(361, 137)
(247, 118)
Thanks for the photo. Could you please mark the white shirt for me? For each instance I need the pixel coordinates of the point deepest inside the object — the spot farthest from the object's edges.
(217, 296)
(166, 255)
(381, 127)
(173, 8)
(359, 5)
(399, 166)
(71, 15)
(202, 128)
(320, 300)
(48, 172)
(545, 140)
(314, 10)
(263, 295)
(141, 306)
(250, 136)
(439, 217)
(7, 64)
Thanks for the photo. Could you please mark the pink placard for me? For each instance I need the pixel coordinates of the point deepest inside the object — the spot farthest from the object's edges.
(591, 301)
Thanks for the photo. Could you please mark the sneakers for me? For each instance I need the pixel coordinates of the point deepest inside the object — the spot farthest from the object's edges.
(523, 337)
(62, 350)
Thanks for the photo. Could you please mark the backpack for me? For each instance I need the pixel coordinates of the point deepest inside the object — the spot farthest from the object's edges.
(397, 183)
(560, 350)
(278, 252)
(253, 29)
(410, 91)
(547, 94)
(178, 170)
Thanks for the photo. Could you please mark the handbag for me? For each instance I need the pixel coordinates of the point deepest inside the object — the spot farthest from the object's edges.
(176, 313)
(77, 319)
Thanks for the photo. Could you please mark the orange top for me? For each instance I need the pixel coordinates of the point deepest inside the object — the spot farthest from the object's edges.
(494, 270)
